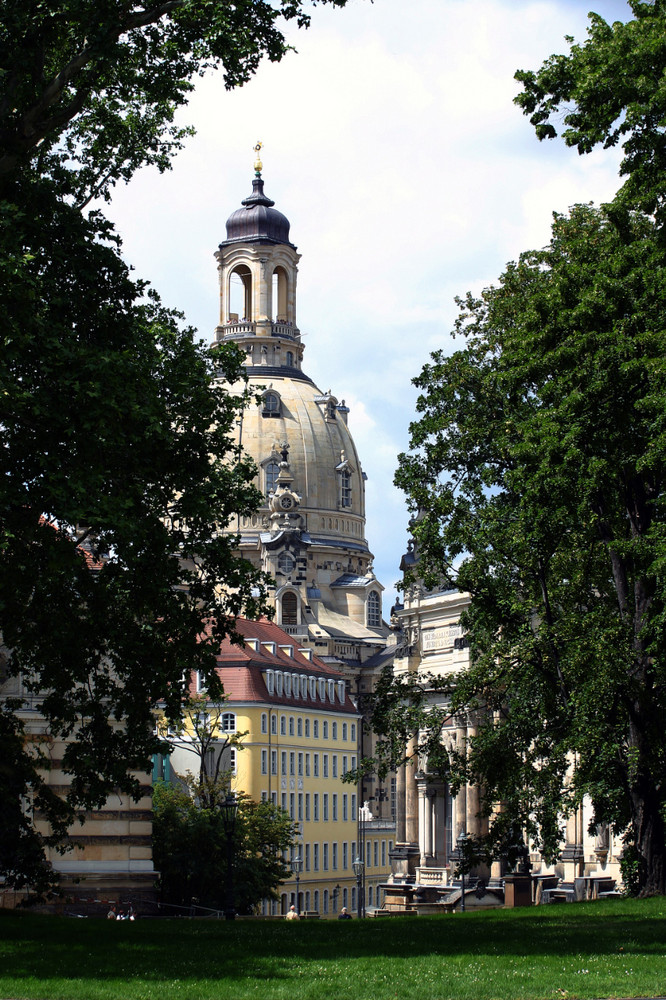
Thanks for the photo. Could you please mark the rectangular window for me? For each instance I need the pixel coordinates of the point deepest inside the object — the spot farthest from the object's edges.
(353, 809)
(326, 765)
(325, 857)
(291, 725)
(383, 853)
(307, 857)
(325, 813)
(264, 796)
(315, 729)
(299, 726)
(264, 761)
(345, 856)
(273, 761)
(334, 857)
(368, 854)
(353, 763)
(334, 762)
(345, 811)
(292, 763)
(315, 807)
(307, 728)
(274, 798)
(315, 857)
(334, 730)
(335, 808)
(284, 801)
(284, 762)
(345, 761)
(300, 806)
(353, 731)
(307, 807)
(325, 727)
(291, 806)
(264, 722)
(300, 765)
(376, 854)
(316, 765)
(307, 765)
(274, 725)
(283, 725)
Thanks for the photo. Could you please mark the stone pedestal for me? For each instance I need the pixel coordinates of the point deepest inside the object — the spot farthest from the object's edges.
(517, 890)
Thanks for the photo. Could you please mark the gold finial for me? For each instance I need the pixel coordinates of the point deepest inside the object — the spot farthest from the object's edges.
(258, 165)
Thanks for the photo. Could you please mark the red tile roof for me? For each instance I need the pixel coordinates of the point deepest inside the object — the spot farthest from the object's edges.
(241, 668)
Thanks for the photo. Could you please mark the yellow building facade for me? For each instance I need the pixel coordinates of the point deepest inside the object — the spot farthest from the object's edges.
(301, 738)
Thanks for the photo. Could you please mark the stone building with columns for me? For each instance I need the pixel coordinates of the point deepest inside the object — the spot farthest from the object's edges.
(429, 819)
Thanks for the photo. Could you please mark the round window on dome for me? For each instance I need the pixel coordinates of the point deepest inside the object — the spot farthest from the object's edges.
(286, 563)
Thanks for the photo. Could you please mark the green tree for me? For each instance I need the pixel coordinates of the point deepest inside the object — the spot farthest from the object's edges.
(190, 849)
(116, 580)
(607, 91)
(537, 472)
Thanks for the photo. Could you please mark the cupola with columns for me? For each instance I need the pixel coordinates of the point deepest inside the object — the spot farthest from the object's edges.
(258, 267)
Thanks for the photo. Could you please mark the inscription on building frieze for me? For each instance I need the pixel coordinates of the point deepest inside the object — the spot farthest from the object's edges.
(439, 638)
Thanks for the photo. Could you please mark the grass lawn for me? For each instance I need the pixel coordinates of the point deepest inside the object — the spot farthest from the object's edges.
(583, 950)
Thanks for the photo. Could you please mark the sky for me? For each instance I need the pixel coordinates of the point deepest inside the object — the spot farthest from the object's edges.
(392, 144)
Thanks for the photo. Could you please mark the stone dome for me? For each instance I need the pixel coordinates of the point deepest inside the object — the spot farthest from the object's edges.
(258, 221)
(320, 447)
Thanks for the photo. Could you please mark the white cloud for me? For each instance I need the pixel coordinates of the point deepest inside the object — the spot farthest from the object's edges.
(409, 176)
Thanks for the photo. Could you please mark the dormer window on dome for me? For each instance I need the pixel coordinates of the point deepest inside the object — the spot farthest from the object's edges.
(271, 405)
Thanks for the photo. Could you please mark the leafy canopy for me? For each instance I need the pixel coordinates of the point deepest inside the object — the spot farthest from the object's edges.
(610, 91)
(190, 850)
(120, 469)
(537, 472)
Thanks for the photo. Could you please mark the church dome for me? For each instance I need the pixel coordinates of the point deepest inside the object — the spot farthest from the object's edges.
(258, 221)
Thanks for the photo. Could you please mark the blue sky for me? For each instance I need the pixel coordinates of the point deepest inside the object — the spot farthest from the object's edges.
(392, 144)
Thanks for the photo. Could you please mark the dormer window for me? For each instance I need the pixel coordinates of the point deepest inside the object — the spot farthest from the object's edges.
(271, 405)
(345, 488)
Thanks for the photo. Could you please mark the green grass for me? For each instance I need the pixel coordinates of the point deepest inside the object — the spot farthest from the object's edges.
(584, 950)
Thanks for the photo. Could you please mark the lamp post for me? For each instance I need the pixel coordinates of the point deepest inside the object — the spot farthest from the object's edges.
(297, 868)
(461, 842)
(359, 867)
(229, 811)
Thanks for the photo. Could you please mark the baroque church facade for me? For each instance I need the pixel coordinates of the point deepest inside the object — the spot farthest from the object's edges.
(309, 533)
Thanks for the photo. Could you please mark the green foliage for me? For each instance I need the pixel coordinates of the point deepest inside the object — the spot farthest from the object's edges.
(608, 91)
(190, 849)
(537, 472)
(89, 88)
(116, 580)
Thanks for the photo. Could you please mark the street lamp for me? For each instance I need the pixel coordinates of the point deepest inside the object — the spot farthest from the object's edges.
(462, 842)
(359, 867)
(229, 810)
(297, 868)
